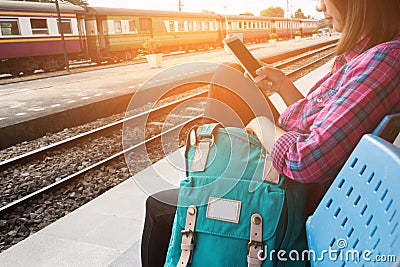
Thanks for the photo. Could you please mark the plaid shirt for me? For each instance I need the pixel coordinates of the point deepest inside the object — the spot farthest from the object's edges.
(325, 126)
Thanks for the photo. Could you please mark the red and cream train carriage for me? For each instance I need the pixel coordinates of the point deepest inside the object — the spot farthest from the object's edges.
(30, 38)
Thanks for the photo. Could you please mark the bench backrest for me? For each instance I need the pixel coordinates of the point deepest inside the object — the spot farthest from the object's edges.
(359, 217)
(388, 128)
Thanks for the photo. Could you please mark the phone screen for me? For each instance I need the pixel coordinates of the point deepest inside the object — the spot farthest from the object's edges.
(244, 55)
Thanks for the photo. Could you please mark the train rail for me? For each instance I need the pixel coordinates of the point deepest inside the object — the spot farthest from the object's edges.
(154, 114)
(20, 209)
(317, 52)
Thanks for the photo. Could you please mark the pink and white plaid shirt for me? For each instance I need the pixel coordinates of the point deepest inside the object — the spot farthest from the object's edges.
(325, 126)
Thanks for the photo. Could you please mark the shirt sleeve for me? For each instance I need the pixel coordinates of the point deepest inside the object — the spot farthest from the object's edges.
(368, 88)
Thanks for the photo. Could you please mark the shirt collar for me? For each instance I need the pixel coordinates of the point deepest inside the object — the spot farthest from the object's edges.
(356, 50)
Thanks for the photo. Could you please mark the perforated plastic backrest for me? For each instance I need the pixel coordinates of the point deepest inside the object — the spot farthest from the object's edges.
(388, 128)
(361, 210)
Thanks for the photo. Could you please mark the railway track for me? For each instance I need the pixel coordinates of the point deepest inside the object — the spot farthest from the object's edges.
(24, 211)
(295, 66)
(155, 115)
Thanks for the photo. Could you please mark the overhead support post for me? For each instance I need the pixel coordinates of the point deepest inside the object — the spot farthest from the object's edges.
(60, 28)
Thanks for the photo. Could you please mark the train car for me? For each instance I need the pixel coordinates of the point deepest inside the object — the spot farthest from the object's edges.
(308, 26)
(116, 34)
(30, 38)
(253, 29)
(285, 28)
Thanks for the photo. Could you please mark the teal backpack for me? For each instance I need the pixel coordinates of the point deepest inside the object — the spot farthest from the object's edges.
(232, 210)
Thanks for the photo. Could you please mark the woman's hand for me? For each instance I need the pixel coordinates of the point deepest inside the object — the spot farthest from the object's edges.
(265, 130)
(276, 81)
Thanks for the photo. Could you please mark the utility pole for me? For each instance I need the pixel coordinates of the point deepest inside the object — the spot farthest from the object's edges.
(288, 16)
(226, 23)
(291, 19)
(290, 10)
(180, 4)
(62, 35)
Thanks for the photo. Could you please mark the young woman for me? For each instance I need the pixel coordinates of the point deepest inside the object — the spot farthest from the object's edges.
(316, 134)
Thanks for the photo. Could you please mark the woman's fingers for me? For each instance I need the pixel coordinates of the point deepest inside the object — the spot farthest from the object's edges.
(272, 74)
(266, 86)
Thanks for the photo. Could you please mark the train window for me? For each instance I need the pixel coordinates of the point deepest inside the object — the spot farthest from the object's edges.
(199, 26)
(117, 26)
(39, 26)
(213, 25)
(234, 25)
(66, 26)
(229, 25)
(190, 26)
(171, 26)
(9, 27)
(132, 26)
(181, 26)
(206, 26)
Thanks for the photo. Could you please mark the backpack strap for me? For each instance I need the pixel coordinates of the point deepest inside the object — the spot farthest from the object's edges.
(187, 244)
(202, 138)
(270, 174)
(255, 245)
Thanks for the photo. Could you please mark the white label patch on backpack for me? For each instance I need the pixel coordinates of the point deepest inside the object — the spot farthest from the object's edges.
(224, 209)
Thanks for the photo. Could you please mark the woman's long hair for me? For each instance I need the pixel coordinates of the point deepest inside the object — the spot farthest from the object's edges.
(377, 19)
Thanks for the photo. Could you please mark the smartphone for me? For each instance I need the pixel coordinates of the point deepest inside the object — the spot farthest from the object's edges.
(245, 58)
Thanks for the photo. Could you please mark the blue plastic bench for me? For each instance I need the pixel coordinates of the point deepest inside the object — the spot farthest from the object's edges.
(357, 221)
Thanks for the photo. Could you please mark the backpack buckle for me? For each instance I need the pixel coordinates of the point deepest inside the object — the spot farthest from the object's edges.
(256, 244)
(188, 233)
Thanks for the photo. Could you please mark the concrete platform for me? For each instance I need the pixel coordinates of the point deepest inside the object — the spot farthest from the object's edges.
(107, 230)
(30, 109)
(26, 100)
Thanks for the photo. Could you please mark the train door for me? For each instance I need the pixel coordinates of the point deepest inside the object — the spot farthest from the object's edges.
(146, 28)
(102, 30)
(222, 30)
(82, 34)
